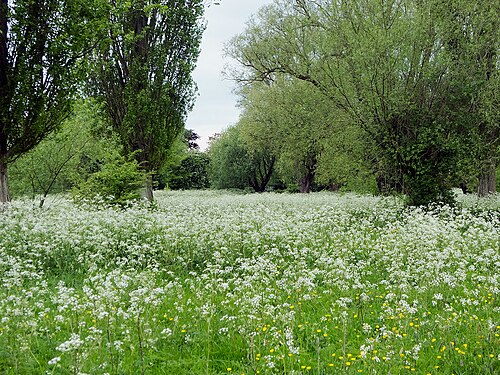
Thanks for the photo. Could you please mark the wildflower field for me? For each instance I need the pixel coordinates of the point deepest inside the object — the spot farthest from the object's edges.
(219, 283)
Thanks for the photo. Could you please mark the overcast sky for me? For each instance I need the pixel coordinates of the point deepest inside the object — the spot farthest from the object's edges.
(215, 108)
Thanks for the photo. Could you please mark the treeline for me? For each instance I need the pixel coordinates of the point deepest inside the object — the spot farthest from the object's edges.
(401, 95)
(396, 96)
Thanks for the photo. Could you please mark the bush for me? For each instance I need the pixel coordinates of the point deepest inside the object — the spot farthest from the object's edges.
(117, 182)
(192, 173)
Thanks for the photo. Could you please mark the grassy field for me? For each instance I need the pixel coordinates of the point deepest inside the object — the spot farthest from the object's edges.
(218, 283)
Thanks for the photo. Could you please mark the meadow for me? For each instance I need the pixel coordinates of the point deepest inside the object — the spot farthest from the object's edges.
(220, 283)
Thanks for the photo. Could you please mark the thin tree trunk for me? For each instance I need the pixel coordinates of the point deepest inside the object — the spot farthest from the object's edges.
(268, 173)
(4, 100)
(487, 180)
(148, 188)
(4, 185)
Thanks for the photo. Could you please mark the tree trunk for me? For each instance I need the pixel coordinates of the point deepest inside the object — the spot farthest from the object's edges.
(306, 182)
(148, 188)
(4, 185)
(4, 99)
(268, 172)
(487, 180)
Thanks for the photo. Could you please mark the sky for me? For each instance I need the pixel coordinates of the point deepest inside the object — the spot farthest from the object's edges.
(215, 107)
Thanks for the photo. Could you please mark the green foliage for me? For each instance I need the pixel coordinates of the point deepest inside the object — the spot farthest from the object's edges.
(42, 45)
(191, 173)
(54, 164)
(143, 73)
(416, 78)
(293, 121)
(186, 167)
(229, 162)
(118, 182)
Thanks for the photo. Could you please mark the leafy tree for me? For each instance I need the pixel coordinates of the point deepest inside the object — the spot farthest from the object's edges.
(143, 74)
(229, 165)
(292, 121)
(384, 64)
(42, 44)
(186, 167)
(192, 173)
(191, 137)
(53, 164)
(472, 41)
(257, 138)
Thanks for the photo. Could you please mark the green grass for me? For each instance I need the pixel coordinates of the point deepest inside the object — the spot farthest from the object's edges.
(215, 283)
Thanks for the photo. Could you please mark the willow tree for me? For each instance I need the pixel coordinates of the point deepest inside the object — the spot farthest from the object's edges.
(143, 74)
(41, 46)
(388, 65)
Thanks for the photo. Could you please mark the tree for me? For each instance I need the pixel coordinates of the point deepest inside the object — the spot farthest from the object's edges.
(186, 167)
(230, 166)
(143, 74)
(257, 137)
(42, 44)
(384, 64)
(53, 165)
(192, 173)
(284, 118)
(116, 182)
(293, 121)
(473, 43)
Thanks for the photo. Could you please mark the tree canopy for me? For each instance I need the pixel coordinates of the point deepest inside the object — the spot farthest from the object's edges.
(143, 73)
(42, 44)
(396, 69)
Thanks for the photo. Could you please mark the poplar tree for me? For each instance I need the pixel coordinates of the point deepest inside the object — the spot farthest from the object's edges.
(143, 74)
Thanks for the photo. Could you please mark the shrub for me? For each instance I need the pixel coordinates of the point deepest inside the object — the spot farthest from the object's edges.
(117, 182)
